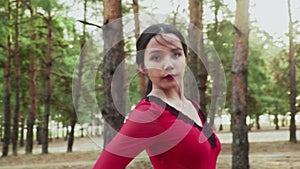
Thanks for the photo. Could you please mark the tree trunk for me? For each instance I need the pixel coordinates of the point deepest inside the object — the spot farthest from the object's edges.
(216, 76)
(113, 56)
(196, 48)
(142, 79)
(221, 124)
(250, 125)
(293, 92)
(39, 134)
(71, 134)
(17, 83)
(7, 112)
(47, 85)
(67, 133)
(215, 94)
(276, 122)
(217, 5)
(32, 91)
(239, 71)
(283, 122)
(202, 66)
(77, 83)
(257, 122)
(22, 120)
(57, 131)
(1, 130)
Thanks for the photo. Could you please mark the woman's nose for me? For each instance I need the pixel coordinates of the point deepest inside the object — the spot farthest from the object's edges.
(168, 65)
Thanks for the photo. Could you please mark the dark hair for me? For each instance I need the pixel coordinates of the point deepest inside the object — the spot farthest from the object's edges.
(147, 35)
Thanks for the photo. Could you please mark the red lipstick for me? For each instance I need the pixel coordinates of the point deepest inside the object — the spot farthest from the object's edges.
(169, 77)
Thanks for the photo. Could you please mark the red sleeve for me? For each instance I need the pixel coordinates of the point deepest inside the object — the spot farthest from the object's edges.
(108, 160)
(134, 136)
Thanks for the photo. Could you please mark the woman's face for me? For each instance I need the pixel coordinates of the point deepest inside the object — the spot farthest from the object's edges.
(164, 61)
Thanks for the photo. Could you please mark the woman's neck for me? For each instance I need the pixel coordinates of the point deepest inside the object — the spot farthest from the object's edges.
(173, 94)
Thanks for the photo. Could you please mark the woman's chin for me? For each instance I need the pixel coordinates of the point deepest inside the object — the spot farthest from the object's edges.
(170, 86)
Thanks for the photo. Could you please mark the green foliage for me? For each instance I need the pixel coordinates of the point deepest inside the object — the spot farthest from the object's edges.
(223, 44)
(267, 92)
(65, 51)
(268, 80)
(267, 65)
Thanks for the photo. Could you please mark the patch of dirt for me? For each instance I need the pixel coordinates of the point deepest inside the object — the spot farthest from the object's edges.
(265, 155)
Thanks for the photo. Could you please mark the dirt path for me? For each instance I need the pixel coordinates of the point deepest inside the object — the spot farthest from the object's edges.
(263, 155)
(52, 165)
(266, 155)
(95, 143)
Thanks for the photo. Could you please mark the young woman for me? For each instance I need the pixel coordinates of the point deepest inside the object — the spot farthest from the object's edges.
(169, 126)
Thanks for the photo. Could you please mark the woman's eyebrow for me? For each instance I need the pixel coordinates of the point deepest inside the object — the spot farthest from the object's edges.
(156, 51)
(176, 49)
(172, 49)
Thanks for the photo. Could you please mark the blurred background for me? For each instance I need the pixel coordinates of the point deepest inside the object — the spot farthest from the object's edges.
(56, 70)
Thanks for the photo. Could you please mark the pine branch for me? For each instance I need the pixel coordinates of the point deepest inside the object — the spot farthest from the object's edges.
(54, 73)
(2, 46)
(88, 23)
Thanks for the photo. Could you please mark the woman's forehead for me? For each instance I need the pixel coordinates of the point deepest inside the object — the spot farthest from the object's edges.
(168, 41)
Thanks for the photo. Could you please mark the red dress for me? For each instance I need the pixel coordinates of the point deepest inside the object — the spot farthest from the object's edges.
(171, 139)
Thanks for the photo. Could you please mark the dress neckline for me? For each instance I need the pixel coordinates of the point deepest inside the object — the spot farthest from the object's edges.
(207, 130)
(176, 112)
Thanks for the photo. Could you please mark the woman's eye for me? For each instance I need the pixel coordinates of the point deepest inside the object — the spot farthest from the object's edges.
(177, 55)
(155, 58)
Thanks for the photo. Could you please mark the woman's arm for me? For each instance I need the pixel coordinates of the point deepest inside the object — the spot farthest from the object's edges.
(131, 139)
(109, 160)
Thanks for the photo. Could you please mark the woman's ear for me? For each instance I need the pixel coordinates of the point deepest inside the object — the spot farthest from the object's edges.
(142, 69)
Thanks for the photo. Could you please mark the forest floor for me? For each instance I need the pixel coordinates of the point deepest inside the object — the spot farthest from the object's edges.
(275, 154)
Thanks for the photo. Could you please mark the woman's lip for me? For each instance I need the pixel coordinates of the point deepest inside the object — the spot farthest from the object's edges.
(169, 77)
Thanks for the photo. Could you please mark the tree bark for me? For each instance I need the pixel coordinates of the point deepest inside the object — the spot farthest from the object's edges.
(67, 133)
(71, 134)
(17, 83)
(293, 92)
(113, 56)
(22, 120)
(39, 134)
(196, 48)
(142, 79)
(78, 83)
(47, 85)
(32, 91)
(239, 72)
(257, 122)
(276, 122)
(216, 77)
(283, 122)
(7, 111)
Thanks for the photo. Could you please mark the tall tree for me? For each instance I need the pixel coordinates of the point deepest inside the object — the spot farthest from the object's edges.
(220, 33)
(142, 80)
(17, 82)
(78, 82)
(113, 56)
(32, 87)
(7, 112)
(216, 67)
(239, 72)
(47, 82)
(22, 115)
(196, 65)
(293, 92)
